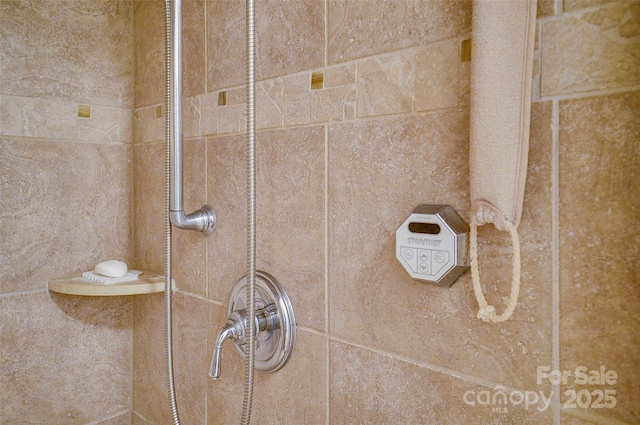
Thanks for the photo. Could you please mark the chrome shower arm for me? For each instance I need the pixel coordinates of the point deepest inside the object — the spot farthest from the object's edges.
(203, 219)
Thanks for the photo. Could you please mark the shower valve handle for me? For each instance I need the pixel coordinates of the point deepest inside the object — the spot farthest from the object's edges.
(266, 319)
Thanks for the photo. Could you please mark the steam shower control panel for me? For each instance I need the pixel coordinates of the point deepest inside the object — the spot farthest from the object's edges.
(431, 244)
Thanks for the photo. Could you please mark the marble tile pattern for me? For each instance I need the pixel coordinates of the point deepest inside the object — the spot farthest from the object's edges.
(347, 147)
(362, 115)
(75, 51)
(599, 244)
(65, 207)
(607, 55)
(66, 359)
(66, 203)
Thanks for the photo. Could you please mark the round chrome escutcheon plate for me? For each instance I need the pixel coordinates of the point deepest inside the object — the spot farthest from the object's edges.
(274, 345)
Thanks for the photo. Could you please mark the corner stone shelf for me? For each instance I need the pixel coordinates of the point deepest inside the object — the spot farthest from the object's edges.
(147, 283)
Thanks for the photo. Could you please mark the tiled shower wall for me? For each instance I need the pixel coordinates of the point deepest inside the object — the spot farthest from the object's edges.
(66, 193)
(362, 111)
(363, 114)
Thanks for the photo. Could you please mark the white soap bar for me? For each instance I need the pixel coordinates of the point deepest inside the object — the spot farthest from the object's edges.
(111, 268)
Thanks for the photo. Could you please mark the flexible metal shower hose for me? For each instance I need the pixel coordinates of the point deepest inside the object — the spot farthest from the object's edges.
(167, 284)
(251, 209)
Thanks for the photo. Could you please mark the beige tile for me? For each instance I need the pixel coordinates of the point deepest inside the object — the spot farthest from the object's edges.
(295, 394)
(578, 56)
(191, 116)
(340, 75)
(232, 118)
(149, 22)
(290, 208)
(189, 247)
(150, 204)
(579, 417)
(227, 193)
(380, 92)
(66, 359)
(56, 119)
(290, 222)
(437, 76)
(329, 104)
(148, 127)
(371, 388)
(193, 48)
(269, 104)
(290, 38)
(65, 207)
(208, 114)
(226, 44)
(297, 99)
(599, 250)
(571, 5)
(69, 51)
(124, 419)
(150, 393)
(191, 359)
(378, 172)
(357, 30)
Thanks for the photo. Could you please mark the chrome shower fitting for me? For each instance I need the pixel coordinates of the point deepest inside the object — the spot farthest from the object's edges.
(203, 219)
(274, 323)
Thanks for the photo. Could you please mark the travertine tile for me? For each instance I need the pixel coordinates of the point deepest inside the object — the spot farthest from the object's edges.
(599, 244)
(580, 418)
(66, 359)
(150, 392)
(371, 388)
(193, 48)
(189, 247)
(294, 394)
(290, 38)
(579, 56)
(148, 124)
(437, 69)
(208, 114)
(57, 119)
(389, 167)
(297, 99)
(74, 51)
(340, 75)
(227, 193)
(329, 104)
(149, 202)
(269, 104)
(290, 208)
(82, 191)
(191, 359)
(571, 5)
(359, 29)
(124, 419)
(380, 92)
(191, 116)
(149, 22)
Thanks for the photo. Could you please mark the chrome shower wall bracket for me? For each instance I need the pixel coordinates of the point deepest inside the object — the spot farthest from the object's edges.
(203, 219)
(275, 325)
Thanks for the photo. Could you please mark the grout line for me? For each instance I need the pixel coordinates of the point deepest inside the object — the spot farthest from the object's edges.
(555, 251)
(326, 32)
(587, 94)
(27, 292)
(327, 310)
(111, 416)
(432, 367)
